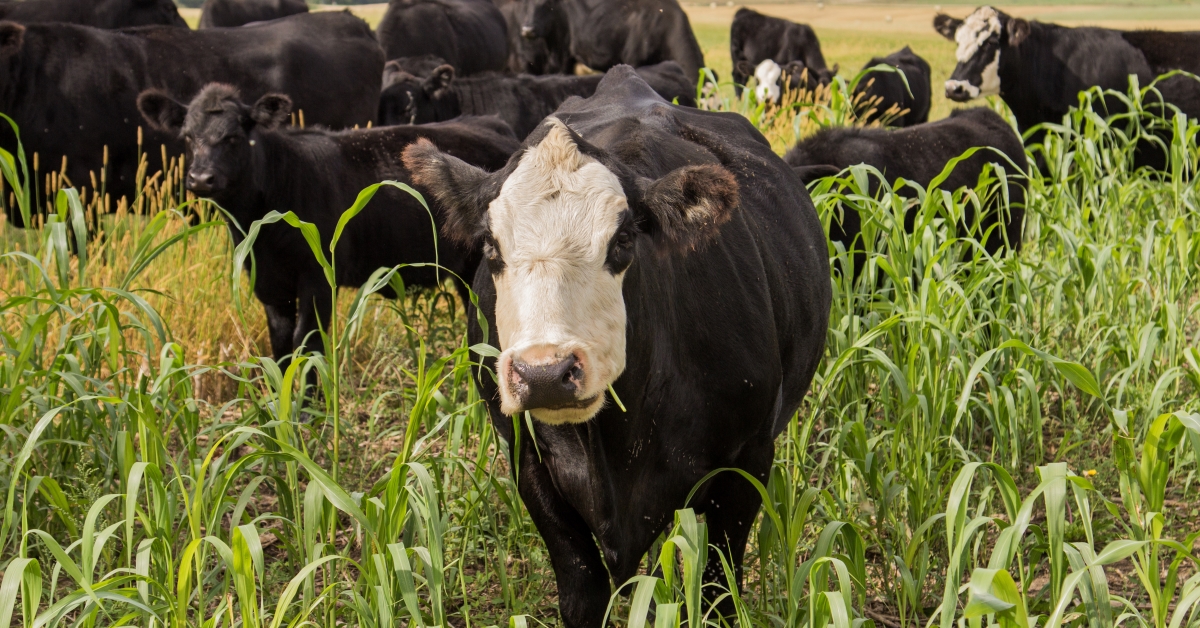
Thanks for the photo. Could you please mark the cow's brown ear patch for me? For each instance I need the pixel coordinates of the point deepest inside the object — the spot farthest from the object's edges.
(12, 38)
(1018, 30)
(456, 187)
(946, 26)
(161, 112)
(689, 204)
(272, 110)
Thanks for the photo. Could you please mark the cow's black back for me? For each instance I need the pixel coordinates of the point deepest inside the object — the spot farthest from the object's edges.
(470, 35)
(889, 88)
(920, 153)
(97, 13)
(229, 13)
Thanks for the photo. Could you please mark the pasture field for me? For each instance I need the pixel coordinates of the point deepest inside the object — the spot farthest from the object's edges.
(1003, 441)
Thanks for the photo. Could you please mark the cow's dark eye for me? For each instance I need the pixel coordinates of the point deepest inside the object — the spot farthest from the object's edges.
(491, 254)
(621, 248)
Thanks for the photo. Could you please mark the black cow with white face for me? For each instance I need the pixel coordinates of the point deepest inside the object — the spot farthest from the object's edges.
(1039, 69)
(96, 13)
(337, 85)
(668, 253)
(881, 91)
(230, 13)
(522, 100)
(770, 48)
(470, 35)
(244, 157)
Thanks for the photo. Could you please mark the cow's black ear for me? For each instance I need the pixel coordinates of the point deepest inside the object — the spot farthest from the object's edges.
(458, 187)
(688, 206)
(271, 110)
(1018, 30)
(808, 174)
(946, 25)
(12, 37)
(161, 112)
(745, 68)
(440, 79)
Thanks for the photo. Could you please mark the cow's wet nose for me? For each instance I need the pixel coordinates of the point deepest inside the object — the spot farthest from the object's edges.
(547, 385)
(200, 182)
(956, 91)
(527, 32)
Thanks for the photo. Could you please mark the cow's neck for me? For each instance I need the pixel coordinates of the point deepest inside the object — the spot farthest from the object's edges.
(280, 179)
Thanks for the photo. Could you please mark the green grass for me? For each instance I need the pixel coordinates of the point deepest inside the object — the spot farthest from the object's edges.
(1002, 441)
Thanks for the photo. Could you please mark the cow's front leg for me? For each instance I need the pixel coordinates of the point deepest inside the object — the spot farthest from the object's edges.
(583, 587)
(281, 324)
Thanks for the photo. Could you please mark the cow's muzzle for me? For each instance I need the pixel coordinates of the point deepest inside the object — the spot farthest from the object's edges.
(960, 91)
(201, 182)
(550, 385)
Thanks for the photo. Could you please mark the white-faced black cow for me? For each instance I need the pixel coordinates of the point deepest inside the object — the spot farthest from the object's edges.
(1039, 69)
(882, 91)
(919, 153)
(470, 35)
(328, 63)
(522, 101)
(244, 158)
(229, 13)
(603, 33)
(769, 49)
(97, 13)
(667, 252)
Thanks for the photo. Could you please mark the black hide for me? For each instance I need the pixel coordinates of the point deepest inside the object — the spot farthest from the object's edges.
(754, 38)
(889, 88)
(470, 35)
(919, 153)
(328, 63)
(522, 101)
(97, 13)
(228, 13)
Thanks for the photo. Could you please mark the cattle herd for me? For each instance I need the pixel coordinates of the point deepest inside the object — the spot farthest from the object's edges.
(656, 278)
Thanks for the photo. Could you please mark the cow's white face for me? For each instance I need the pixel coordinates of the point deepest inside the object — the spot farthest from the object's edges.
(767, 76)
(559, 309)
(559, 231)
(980, 38)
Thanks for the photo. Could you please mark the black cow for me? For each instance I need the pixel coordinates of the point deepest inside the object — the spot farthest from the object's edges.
(329, 63)
(217, 13)
(541, 43)
(470, 35)
(919, 153)
(241, 158)
(1039, 69)
(667, 252)
(755, 38)
(603, 33)
(97, 13)
(883, 90)
(522, 101)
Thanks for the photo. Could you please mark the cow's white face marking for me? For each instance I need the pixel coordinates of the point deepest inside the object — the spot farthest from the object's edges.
(552, 223)
(976, 29)
(767, 75)
(989, 84)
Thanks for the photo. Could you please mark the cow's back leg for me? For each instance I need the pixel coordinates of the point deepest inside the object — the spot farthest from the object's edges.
(583, 587)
